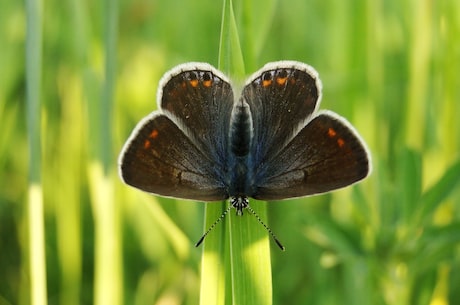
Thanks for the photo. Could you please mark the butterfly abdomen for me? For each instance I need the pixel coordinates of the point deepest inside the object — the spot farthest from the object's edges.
(240, 138)
(240, 129)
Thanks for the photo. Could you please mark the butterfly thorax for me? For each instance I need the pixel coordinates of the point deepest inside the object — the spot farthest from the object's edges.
(239, 203)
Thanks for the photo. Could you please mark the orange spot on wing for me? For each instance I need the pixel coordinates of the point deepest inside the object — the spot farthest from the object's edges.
(331, 132)
(281, 80)
(153, 134)
(266, 82)
(194, 83)
(340, 142)
(207, 83)
(146, 144)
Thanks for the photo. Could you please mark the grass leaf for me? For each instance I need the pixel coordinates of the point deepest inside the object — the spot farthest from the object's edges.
(213, 260)
(250, 258)
(35, 207)
(433, 197)
(250, 272)
(230, 54)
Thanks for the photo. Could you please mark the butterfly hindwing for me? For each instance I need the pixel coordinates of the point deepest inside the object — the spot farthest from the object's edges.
(325, 155)
(159, 158)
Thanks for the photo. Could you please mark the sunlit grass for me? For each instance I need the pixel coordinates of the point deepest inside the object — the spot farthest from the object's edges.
(36, 267)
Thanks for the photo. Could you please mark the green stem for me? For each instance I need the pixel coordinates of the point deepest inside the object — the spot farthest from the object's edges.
(244, 265)
(108, 287)
(36, 253)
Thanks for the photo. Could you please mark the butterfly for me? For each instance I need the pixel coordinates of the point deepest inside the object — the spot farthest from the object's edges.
(207, 142)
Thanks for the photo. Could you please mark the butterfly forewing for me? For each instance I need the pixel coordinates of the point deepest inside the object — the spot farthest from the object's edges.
(181, 150)
(281, 96)
(199, 99)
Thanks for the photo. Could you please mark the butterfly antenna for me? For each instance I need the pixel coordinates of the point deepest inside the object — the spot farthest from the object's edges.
(213, 225)
(266, 227)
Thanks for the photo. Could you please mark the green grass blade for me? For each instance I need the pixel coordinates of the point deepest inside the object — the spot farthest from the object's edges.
(230, 55)
(409, 175)
(433, 197)
(250, 258)
(213, 269)
(37, 261)
(107, 273)
(36, 253)
(257, 17)
(326, 232)
(108, 269)
(435, 245)
(215, 249)
(249, 274)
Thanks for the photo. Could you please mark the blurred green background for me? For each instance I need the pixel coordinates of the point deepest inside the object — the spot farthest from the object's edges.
(390, 67)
